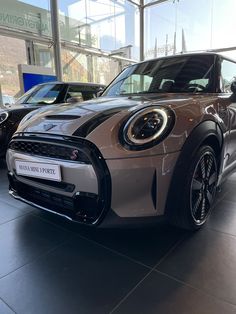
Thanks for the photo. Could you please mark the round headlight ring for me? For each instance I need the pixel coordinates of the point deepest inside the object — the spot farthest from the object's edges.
(147, 127)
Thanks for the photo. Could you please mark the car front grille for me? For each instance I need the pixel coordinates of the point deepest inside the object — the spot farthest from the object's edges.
(49, 150)
(81, 206)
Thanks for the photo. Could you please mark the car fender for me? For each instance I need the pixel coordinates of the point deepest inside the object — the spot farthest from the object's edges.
(199, 135)
(206, 132)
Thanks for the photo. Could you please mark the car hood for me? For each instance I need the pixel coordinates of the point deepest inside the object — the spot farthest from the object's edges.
(99, 120)
(67, 118)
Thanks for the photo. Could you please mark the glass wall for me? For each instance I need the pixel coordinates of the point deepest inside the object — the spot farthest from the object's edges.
(43, 55)
(106, 25)
(31, 16)
(110, 26)
(188, 25)
(12, 53)
(105, 69)
(83, 67)
(74, 66)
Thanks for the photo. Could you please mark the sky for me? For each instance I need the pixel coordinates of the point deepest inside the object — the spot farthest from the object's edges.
(206, 23)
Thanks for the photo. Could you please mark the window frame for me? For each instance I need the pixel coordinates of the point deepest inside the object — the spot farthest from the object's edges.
(221, 76)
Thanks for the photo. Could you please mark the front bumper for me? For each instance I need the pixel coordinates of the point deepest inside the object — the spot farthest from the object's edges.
(94, 188)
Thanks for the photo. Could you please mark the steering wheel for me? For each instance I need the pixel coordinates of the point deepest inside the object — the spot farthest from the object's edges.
(195, 86)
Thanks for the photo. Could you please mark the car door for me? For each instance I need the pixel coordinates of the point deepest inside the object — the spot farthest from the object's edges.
(228, 75)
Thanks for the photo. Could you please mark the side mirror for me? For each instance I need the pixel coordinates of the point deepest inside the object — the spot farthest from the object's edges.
(99, 93)
(233, 87)
(73, 100)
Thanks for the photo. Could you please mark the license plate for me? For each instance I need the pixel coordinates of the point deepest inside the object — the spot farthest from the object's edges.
(38, 170)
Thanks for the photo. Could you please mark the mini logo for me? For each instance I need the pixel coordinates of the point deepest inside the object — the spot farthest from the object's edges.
(74, 154)
(48, 126)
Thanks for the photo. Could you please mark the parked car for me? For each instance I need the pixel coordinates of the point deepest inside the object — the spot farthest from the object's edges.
(40, 95)
(156, 144)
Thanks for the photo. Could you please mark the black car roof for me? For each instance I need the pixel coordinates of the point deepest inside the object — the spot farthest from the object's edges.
(74, 83)
(202, 53)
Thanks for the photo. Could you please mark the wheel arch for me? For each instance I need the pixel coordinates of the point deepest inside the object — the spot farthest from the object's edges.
(206, 133)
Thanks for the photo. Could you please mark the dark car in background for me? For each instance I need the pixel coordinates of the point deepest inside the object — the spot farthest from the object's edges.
(52, 93)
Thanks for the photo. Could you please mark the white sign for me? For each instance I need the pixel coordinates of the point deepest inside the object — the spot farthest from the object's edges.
(38, 170)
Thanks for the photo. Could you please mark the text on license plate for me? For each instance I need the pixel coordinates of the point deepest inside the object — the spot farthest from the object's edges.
(38, 170)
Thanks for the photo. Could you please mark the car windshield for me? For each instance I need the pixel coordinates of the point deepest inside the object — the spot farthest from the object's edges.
(181, 74)
(43, 94)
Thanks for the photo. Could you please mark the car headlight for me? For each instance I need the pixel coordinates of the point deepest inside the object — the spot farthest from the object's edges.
(3, 116)
(147, 127)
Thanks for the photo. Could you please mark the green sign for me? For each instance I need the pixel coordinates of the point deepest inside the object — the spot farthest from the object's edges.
(32, 24)
(25, 17)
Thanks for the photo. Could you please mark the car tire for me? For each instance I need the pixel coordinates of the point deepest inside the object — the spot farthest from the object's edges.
(193, 191)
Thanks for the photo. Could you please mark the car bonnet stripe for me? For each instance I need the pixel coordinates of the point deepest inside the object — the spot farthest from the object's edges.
(90, 125)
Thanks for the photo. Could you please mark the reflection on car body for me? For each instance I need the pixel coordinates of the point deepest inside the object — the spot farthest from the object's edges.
(157, 143)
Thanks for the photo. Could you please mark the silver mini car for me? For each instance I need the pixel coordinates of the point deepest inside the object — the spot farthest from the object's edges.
(156, 144)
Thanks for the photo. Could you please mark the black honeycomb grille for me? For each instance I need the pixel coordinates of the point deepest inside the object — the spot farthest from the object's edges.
(49, 150)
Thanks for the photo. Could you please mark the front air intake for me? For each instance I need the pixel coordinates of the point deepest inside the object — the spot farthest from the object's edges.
(49, 150)
(62, 117)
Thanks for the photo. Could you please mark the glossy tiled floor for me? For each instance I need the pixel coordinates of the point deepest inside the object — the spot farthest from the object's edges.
(48, 265)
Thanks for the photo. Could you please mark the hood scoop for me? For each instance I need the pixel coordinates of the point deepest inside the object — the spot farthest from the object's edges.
(61, 117)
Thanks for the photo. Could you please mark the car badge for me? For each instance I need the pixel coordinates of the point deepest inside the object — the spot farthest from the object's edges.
(49, 126)
(74, 154)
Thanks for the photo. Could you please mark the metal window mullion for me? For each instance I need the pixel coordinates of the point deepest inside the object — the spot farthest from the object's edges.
(141, 30)
(56, 38)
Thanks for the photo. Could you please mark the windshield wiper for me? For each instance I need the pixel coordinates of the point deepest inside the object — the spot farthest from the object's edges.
(144, 92)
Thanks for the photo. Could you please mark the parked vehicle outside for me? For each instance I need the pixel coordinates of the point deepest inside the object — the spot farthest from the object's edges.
(156, 144)
(53, 93)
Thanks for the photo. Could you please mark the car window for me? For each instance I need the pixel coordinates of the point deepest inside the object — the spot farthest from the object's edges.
(45, 95)
(136, 83)
(228, 75)
(74, 92)
(83, 92)
(89, 95)
(202, 82)
(26, 95)
(176, 74)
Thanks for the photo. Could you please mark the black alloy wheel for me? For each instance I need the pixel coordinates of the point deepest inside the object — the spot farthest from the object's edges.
(203, 187)
(193, 189)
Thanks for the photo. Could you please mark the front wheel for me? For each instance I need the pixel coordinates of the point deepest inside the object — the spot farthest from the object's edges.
(194, 195)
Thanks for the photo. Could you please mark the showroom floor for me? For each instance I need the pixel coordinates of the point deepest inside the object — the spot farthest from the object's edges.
(49, 265)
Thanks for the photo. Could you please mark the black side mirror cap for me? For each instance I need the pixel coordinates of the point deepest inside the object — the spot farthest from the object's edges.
(99, 93)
